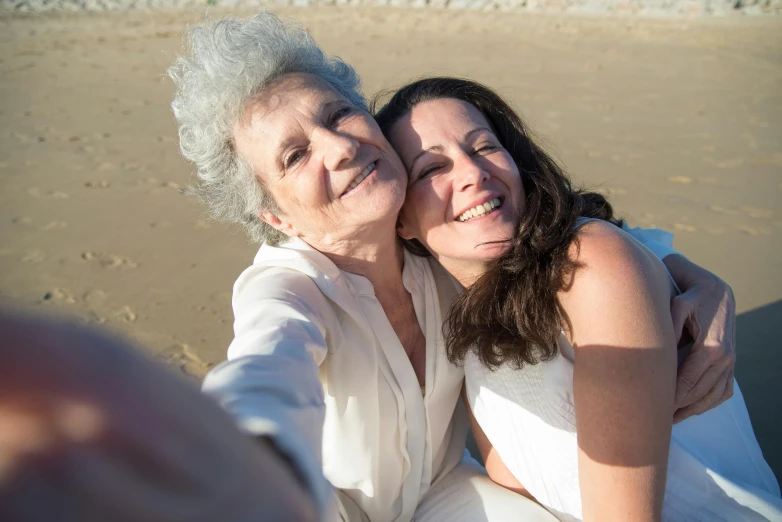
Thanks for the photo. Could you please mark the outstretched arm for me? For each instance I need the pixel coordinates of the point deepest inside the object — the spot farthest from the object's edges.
(624, 376)
(270, 383)
(92, 430)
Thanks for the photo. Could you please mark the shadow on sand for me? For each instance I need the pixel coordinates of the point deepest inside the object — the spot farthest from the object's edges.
(759, 374)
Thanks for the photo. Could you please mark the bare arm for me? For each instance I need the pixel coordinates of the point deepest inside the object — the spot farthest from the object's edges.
(269, 384)
(495, 467)
(624, 376)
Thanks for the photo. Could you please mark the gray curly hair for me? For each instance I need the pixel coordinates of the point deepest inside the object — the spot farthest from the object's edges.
(231, 60)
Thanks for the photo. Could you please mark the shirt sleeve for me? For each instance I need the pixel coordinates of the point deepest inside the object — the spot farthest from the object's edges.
(270, 383)
(658, 241)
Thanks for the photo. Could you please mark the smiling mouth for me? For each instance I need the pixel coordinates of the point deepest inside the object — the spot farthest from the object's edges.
(361, 177)
(480, 210)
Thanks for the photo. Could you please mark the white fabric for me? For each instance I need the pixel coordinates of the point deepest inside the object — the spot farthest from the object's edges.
(315, 357)
(316, 365)
(716, 470)
(465, 494)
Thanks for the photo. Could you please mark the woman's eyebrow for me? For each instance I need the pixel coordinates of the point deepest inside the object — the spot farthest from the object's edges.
(478, 129)
(322, 111)
(433, 148)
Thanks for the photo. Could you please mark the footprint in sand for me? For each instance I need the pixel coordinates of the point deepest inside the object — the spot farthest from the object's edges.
(160, 186)
(33, 256)
(160, 224)
(724, 164)
(757, 213)
(20, 137)
(133, 166)
(58, 295)
(112, 261)
(183, 357)
(22, 220)
(55, 225)
(684, 228)
(49, 194)
(94, 318)
(752, 231)
(125, 314)
(721, 210)
(757, 122)
(94, 297)
(610, 192)
(774, 159)
(684, 180)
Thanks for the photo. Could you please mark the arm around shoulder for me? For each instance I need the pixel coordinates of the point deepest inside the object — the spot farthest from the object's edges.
(619, 324)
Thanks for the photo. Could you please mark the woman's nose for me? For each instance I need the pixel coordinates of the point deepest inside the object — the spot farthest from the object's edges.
(469, 173)
(337, 148)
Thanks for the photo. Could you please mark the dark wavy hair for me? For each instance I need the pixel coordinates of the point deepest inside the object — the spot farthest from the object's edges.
(511, 315)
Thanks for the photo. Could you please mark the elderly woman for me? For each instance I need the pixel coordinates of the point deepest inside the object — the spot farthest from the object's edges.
(337, 357)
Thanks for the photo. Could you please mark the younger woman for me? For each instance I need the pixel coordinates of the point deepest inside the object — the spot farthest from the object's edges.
(564, 326)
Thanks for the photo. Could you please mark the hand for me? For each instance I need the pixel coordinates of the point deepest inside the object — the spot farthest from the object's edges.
(707, 309)
(91, 430)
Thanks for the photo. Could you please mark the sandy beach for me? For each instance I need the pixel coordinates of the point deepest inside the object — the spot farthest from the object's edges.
(679, 121)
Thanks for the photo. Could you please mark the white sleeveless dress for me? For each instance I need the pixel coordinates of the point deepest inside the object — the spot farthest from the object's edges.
(716, 471)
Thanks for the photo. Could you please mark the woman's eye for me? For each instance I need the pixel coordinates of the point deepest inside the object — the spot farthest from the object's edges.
(339, 114)
(292, 158)
(485, 149)
(428, 171)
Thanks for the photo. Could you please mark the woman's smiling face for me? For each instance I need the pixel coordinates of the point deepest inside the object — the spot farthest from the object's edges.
(334, 176)
(464, 193)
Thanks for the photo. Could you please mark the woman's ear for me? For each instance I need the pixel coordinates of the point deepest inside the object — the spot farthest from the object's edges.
(404, 231)
(276, 223)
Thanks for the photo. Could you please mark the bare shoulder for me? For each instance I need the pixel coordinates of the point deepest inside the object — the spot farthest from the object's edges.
(600, 243)
(607, 255)
(615, 275)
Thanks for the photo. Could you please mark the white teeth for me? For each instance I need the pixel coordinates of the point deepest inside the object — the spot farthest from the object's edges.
(479, 210)
(361, 177)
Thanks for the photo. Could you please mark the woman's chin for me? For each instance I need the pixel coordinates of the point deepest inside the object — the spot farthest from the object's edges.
(492, 250)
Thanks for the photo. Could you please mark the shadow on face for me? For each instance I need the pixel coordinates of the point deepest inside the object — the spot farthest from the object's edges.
(464, 189)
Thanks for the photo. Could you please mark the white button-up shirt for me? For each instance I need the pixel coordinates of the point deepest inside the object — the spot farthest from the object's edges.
(316, 365)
